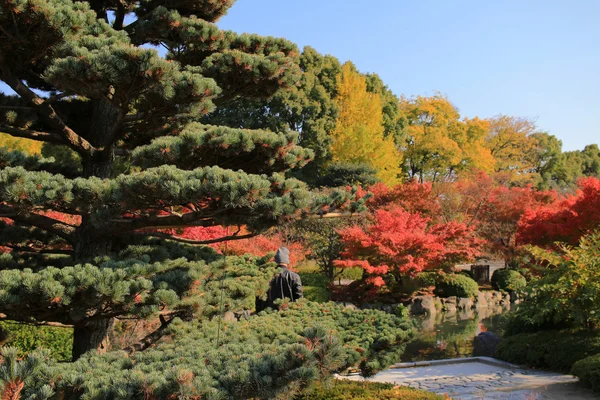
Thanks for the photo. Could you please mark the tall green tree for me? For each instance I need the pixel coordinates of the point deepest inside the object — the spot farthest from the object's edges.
(147, 161)
(307, 107)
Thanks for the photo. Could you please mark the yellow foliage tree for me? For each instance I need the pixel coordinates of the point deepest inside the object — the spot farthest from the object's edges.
(511, 143)
(439, 145)
(359, 133)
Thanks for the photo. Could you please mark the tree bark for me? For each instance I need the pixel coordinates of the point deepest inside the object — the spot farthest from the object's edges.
(92, 336)
(104, 122)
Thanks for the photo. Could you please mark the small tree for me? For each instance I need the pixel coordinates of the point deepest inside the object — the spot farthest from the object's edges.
(567, 291)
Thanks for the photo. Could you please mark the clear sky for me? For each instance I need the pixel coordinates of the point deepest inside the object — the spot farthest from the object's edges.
(529, 58)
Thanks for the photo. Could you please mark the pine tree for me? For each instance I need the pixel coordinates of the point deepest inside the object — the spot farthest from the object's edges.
(88, 78)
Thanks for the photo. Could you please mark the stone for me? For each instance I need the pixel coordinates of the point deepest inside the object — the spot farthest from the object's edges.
(420, 305)
(466, 314)
(450, 300)
(465, 303)
(481, 300)
(229, 316)
(506, 298)
(450, 308)
(498, 297)
(348, 305)
(240, 315)
(485, 344)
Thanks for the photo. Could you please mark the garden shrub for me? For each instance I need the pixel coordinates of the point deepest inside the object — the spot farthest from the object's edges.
(448, 285)
(252, 359)
(567, 291)
(428, 278)
(588, 371)
(554, 350)
(520, 321)
(360, 390)
(27, 338)
(317, 294)
(508, 280)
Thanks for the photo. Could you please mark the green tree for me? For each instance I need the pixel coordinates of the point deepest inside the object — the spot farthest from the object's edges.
(306, 107)
(546, 160)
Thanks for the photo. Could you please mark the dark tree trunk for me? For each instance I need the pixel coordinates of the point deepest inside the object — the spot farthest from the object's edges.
(103, 124)
(92, 336)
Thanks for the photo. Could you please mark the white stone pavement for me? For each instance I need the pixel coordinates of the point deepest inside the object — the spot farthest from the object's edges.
(483, 378)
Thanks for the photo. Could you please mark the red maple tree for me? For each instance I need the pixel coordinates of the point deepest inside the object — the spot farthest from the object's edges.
(563, 221)
(399, 242)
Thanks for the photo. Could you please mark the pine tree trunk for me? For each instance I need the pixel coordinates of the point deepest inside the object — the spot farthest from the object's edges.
(92, 336)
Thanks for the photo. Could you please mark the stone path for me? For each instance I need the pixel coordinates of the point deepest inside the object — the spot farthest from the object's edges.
(484, 378)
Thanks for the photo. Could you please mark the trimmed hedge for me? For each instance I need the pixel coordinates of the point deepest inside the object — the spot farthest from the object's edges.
(588, 371)
(448, 285)
(361, 390)
(508, 280)
(554, 350)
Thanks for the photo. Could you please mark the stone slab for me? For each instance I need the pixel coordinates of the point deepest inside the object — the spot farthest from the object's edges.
(483, 378)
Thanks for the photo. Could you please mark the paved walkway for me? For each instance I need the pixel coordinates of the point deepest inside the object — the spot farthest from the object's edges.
(485, 379)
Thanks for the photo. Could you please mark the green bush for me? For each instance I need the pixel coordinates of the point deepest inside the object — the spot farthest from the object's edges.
(508, 280)
(554, 350)
(520, 321)
(317, 294)
(455, 285)
(428, 278)
(354, 274)
(567, 288)
(588, 371)
(27, 338)
(360, 390)
(466, 272)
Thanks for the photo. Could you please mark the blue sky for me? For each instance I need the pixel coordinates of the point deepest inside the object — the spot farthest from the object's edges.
(537, 59)
(529, 58)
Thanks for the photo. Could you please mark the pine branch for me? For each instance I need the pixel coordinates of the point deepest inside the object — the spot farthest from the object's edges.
(48, 224)
(25, 249)
(190, 241)
(163, 222)
(4, 317)
(45, 110)
(33, 135)
(151, 338)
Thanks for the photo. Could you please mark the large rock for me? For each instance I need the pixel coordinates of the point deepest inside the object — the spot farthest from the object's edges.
(497, 297)
(229, 316)
(465, 303)
(485, 344)
(506, 299)
(482, 301)
(420, 305)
